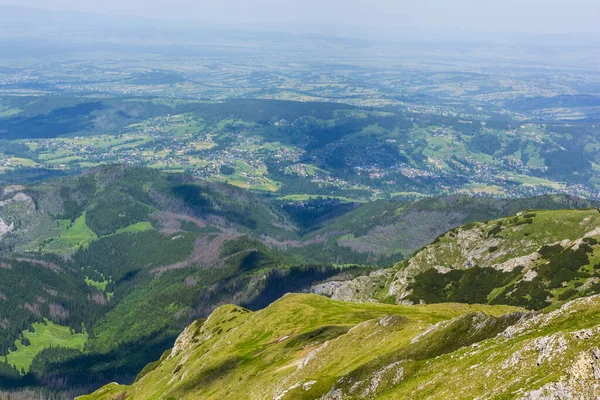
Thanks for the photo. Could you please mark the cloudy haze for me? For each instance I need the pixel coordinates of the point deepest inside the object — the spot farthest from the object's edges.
(387, 16)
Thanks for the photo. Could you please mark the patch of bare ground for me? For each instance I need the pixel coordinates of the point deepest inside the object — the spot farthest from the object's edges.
(51, 292)
(32, 308)
(57, 311)
(98, 298)
(51, 266)
(287, 227)
(207, 252)
(171, 222)
(190, 281)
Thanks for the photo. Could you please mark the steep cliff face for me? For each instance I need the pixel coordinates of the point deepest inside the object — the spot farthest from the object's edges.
(311, 347)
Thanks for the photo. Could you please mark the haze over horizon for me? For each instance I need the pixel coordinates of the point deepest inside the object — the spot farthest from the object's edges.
(380, 18)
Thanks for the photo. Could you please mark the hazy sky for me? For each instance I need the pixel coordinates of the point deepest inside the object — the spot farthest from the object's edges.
(519, 16)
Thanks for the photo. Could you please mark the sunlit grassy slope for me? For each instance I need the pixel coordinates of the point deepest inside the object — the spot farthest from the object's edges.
(303, 338)
(309, 347)
(44, 336)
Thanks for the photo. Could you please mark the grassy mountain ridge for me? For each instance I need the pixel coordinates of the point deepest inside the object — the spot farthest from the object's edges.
(307, 347)
(543, 256)
(429, 351)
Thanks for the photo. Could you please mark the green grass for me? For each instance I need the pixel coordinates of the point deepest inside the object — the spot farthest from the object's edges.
(184, 124)
(78, 233)
(137, 227)
(301, 339)
(6, 112)
(534, 181)
(56, 154)
(495, 242)
(21, 162)
(480, 188)
(248, 351)
(65, 160)
(546, 227)
(73, 235)
(101, 286)
(44, 336)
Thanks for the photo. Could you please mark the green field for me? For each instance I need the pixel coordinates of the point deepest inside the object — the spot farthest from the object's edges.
(101, 286)
(44, 336)
(65, 160)
(74, 234)
(534, 181)
(138, 227)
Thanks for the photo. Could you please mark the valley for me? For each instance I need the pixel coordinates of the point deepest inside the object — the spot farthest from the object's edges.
(283, 148)
(363, 345)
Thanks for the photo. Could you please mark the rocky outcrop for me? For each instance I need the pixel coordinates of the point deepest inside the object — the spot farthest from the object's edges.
(364, 289)
(501, 245)
(327, 289)
(4, 228)
(19, 197)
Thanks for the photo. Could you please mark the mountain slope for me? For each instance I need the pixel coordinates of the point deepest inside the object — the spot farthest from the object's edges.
(117, 244)
(533, 259)
(272, 349)
(351, 351)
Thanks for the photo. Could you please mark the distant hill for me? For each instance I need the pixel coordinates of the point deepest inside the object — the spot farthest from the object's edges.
(294, 149)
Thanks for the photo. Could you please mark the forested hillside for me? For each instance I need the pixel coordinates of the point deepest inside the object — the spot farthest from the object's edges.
(88, 255)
